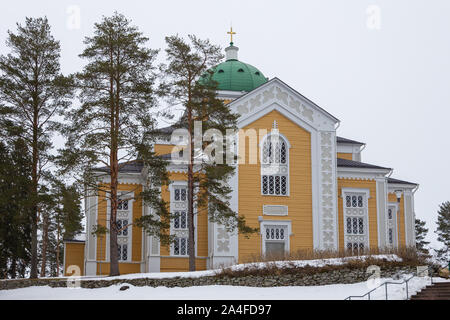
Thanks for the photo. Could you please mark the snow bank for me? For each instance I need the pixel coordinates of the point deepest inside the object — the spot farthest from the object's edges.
(259, 265)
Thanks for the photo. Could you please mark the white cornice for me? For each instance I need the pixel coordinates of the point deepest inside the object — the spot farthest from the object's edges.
(402, 186)
(361, 173)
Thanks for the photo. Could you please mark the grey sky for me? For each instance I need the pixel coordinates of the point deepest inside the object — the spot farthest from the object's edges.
(388, 86)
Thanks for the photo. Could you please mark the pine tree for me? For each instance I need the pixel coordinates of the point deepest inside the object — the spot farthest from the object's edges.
(421, 233)
(116, 120)
(207, 175)
(443, 232)
(32, 92)
(62, 218)
(15, 217)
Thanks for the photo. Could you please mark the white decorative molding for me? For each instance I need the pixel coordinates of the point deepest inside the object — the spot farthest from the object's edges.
(361, 173)
(276, 91)
(287, 224)
(275, 210)
(382, 200)
(124, 178)
(358, 211)
(327, 191)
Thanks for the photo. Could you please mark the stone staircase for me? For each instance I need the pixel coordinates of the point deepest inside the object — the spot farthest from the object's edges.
(436, 291)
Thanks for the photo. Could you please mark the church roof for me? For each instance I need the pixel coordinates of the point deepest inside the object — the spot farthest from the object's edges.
(356, 164)
(81, 238)
(345, 140)
(234, 75)
(396, 181)
(135, 166)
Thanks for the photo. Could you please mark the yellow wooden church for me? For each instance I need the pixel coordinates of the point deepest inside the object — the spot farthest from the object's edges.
(322, 196)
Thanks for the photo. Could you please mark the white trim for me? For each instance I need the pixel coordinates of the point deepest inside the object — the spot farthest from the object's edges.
(279, 165)
(366, 192)
(181, 206)
(382, 199)
(275, 89)
(130, 229)
(283, 210)
(286, 223)
(395, 239)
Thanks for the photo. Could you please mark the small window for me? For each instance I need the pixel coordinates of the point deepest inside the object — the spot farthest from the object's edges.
(122, 252)
(122, 205)
(241, 70)
(257, 73)
(180, 247)
(121, 223)
(180, 220)
(221, 71)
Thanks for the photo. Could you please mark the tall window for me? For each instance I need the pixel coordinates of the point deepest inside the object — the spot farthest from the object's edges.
(180, 246)
(392, 225)
(355, 222)
(179, 225)
(275, 166)
(124, 214)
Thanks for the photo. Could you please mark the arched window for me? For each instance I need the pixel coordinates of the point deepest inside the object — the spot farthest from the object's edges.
(275, 165)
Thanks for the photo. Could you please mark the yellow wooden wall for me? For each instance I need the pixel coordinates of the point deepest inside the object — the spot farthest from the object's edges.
(136, 240)
(400, 219)
(299, 202)
(372, 206)
(124, 268)
(74, 255)
(163, 148)
(347, 156)
(173, 264)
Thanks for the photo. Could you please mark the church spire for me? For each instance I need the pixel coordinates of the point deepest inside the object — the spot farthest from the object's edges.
(231, 51)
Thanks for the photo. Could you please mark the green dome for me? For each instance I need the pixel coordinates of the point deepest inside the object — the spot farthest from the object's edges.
(234, 75)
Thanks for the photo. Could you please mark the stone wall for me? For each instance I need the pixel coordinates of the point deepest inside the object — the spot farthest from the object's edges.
(343, 275)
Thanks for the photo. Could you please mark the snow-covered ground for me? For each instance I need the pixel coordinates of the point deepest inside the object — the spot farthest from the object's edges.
(256, 265)
(329, 292)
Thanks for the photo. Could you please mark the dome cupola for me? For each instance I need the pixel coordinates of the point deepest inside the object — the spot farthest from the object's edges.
(235, 75)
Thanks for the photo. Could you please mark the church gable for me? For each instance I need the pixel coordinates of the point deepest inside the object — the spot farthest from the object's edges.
(276, 95)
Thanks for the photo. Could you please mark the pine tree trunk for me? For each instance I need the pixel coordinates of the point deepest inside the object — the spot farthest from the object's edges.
(34, 208)
(114, 165)
(13, 268)
(57, 247)
(191, 227)
(44, 243)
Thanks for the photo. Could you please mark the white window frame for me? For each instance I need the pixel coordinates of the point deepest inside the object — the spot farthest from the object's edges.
(180, 205)
(266, 168)
(120, 216)
(394, 224)
(281, 223)
(365, 215)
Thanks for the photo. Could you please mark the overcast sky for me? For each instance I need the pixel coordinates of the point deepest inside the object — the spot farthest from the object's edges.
(381, 67)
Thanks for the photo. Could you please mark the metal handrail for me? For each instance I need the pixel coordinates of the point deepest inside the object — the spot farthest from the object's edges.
(389, 282)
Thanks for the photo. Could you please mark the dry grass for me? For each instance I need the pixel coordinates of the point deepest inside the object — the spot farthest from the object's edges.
(409, 256)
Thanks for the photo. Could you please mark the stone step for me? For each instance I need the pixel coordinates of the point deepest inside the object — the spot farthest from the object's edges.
(437, 291)
(433, 294)
(428, 298)
(442, 284)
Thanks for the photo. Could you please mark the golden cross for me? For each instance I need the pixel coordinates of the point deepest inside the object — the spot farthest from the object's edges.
(231, 34)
